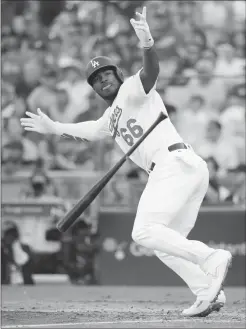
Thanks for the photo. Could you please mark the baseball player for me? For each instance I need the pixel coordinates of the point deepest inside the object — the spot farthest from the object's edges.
(178, 178)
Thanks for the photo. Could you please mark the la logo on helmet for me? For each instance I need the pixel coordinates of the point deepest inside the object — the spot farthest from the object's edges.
(94, 64)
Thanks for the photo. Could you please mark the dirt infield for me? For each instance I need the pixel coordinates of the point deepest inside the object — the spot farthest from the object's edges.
(65, 306)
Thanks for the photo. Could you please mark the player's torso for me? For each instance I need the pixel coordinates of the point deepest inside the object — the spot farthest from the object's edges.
(128, 121)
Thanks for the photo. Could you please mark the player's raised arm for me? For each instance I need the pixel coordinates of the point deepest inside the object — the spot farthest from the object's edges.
(151, 68)
(41, 123)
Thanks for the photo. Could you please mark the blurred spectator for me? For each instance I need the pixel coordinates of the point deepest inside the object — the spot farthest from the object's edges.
(11, 59)
(16, 257)
(233, 115)
(48, 251)
(80, 254)
(215, 14)
(234, 182)
(168, 37)
(238, 41)
(7, 99)
(29, 79)
(212, 89)
(34, 28)
(59, 153)
(201, 81)
(12, 157)
(190, 58)
(222, 150)
(213, 192)
(173, 114)
(44, 96)
(14, 136)
(228, 65)
(76, 87)
(54, 50)
(62, 108)
(193, 120)
(210, 54)
(40, 184)
(16, 108)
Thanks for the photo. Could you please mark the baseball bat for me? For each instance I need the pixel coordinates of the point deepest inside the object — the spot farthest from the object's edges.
(85, 201)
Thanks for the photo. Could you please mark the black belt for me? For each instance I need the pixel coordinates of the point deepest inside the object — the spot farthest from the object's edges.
(171, 148)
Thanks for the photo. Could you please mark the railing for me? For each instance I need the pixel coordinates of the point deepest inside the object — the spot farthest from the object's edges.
(119, 193)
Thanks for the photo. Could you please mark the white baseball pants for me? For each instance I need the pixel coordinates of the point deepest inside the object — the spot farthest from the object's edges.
(167, 212)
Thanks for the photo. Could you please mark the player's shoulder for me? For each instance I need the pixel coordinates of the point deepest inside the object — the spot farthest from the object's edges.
(132, 77)
(129, 82)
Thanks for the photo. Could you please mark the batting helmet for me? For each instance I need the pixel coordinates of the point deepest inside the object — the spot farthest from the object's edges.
(99, 63)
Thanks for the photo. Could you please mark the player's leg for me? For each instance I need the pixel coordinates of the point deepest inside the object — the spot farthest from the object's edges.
(196, 280)
(191, 273)
(167, 191)
(165, 195)
(157, 236)
(183, 223)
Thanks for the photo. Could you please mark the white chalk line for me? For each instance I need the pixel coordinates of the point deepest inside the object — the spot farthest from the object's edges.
(79, 324)
(211, 321)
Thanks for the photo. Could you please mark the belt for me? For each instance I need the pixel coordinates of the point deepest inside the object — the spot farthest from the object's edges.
(171, 148)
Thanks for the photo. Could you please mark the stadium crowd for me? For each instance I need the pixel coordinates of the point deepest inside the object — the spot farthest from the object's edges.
(201, 45)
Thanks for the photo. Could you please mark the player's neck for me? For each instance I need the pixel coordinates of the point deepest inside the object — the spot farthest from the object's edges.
(111, 99)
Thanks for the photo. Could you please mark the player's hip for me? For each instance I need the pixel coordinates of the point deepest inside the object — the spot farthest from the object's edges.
(173, 185)
(180, 159)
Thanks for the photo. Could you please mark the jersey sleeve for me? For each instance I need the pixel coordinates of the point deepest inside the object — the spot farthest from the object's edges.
(136, 90)
(85, 131)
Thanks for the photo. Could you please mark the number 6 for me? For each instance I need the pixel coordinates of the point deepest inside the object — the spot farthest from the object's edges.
(135, 130)
(127, 137)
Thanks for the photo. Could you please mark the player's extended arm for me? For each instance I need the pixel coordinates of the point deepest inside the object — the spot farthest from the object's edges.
(150, 71)
(41, 123)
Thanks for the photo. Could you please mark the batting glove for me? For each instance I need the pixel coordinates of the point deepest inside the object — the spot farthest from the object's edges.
(141, 28)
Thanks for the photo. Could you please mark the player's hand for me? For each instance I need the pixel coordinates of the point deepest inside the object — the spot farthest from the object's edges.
(141, 28)
(40, 123)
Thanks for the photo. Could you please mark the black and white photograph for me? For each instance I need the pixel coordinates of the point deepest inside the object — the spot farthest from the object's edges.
(123, 164)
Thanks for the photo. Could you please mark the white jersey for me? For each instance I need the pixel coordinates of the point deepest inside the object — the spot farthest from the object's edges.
(131, 114)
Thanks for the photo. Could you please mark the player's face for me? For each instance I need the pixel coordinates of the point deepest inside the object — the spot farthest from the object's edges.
(106, 84)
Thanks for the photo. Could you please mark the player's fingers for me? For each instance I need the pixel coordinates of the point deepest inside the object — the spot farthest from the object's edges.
(136, 23)
(133, 21)
(140, 23)
(40, 112)
(26, 120)
(27, 125)
(140, 16)
(140, 29)
(32, 115)
(30, 129)
(144, 12)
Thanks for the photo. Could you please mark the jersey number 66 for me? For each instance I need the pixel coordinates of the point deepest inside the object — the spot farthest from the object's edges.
(133, 131)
